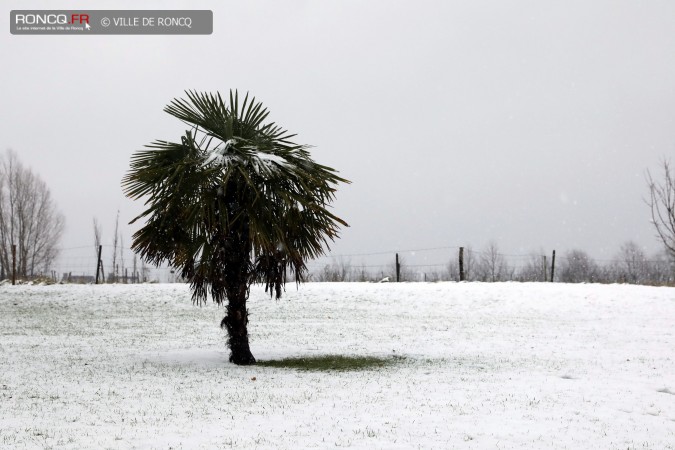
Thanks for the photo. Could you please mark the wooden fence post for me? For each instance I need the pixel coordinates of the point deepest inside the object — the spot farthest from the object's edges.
(398, 269)
(461, 264)
(13, 264)
(545, 267)
(552, 266)
(98, 263)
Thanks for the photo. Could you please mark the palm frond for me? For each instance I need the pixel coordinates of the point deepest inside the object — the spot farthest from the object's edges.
(254, 201)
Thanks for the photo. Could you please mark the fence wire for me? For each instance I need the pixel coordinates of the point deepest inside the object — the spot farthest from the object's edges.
(78, 264)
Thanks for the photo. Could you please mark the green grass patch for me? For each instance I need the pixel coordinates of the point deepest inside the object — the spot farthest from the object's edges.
(330, 363)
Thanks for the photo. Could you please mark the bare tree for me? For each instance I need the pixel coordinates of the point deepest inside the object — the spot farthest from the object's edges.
(469, 264)
(113, 269)
(97, 236)
(578, 267)
(436, 275)
(28, 219)
(492, 265)
(359, 273)
(451, 271)
(123, 271)
(661, 202)
(631, 265)
(661, 269)
(339, 270)
(145, 272)
(533, 269)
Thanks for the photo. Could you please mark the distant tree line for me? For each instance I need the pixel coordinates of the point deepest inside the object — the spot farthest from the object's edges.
(630, 265)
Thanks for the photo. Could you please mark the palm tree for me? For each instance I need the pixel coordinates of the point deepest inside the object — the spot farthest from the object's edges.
(235, 202)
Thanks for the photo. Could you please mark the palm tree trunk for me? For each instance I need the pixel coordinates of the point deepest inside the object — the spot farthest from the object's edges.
(236, 322)
(236, 255)
(233, 260)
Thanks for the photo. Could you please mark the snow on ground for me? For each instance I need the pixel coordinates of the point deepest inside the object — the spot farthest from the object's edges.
(499, 365)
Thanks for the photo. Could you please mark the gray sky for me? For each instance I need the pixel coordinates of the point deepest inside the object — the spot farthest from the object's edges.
(530, 123)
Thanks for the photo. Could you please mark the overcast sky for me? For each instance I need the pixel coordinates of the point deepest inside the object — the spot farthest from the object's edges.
(525, 122)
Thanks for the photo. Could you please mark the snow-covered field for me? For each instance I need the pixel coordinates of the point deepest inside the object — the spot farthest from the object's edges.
(500, 365)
